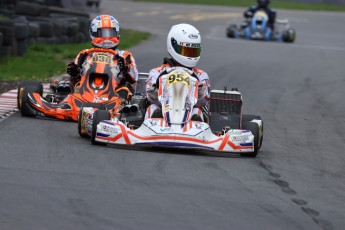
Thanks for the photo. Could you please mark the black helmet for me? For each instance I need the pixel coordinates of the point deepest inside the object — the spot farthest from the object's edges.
(263, 3)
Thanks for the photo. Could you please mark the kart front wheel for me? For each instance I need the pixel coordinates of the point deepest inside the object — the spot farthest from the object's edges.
(248, 118)
(231, 31)
(80, 118)
(98, 116)
(254, 128)
(25, 109)
(289, 35)
(26, 83)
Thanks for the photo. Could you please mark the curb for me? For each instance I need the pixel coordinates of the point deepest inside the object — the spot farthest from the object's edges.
(8, 102)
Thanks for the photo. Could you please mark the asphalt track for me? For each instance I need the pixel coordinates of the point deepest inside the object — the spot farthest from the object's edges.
(50, 178)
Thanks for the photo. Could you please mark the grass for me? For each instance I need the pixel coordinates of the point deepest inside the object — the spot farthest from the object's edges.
(41, 62)
(3, 16)
(283, 4)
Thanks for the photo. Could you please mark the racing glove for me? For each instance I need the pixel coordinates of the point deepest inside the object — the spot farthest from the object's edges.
(72, 70)
(124, 67)
(201, 92)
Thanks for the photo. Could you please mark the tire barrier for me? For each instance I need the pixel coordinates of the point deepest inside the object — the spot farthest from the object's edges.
(43, 22)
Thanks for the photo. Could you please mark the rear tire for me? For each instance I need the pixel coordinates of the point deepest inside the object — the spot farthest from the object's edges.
(98, 116)
(254, 128)
(25, 108)
(26, 83)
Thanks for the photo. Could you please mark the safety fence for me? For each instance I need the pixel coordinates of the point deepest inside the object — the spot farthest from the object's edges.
(43, 22)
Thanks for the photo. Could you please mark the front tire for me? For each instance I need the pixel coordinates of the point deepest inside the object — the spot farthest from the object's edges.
(26, 83)
(87, 104)
(82, 135)
(25, 109)
(289, 35)
(231, 31)
(248, 118)
(254, 128)
(98, 116)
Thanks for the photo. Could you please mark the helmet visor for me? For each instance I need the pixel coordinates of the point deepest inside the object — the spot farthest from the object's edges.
(187, 49)
(105, 33)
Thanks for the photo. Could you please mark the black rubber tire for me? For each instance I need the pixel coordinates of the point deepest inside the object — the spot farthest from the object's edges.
(26, 8)
(22, 47)
(26, 109)
(46, 29)
(98, 116)
(230, 31)
(1, 38)
(88, 104)
(254, 128)
(8, 35)
(5, 51)
(23, 84)
(289, 35)
(34, 29)
(79, 125)
(72, 29)
(22, 30)
(248, 118)
(7, 22)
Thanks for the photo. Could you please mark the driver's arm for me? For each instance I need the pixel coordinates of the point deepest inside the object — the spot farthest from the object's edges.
(249, 12)
(129, 71)
(204, 92)
(151, 85)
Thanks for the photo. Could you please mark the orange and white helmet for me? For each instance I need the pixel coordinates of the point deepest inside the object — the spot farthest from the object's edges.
(105, 32)
(184, 44)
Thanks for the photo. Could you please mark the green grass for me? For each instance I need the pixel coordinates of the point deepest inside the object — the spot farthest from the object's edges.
(41, 62)
(283, 4)
(2, 16)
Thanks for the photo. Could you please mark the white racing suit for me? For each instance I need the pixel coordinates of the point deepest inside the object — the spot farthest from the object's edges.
(152, 91)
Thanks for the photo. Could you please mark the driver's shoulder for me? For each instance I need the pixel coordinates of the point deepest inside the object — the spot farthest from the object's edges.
(124, 53)
(199, 72)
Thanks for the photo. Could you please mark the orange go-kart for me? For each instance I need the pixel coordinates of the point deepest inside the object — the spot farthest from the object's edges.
(98, 88)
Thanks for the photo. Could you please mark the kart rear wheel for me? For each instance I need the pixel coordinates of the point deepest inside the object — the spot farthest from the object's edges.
(254, 128)
(98, 116)
(25, 108)
(26, 83)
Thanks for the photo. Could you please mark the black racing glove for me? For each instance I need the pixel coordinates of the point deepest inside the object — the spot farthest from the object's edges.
(124, 67)
(72, 69)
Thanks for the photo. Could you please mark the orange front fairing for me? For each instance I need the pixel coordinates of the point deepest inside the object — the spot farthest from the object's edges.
(98, 85)
(69, 108)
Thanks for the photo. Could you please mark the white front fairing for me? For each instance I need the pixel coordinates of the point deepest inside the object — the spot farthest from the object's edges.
(178, 93)
(193, 134)
(177, 96)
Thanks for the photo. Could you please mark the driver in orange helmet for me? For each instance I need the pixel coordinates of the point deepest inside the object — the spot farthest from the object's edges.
(105, 33)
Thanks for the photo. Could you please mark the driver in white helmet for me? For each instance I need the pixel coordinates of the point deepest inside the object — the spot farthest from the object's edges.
(184, 47)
